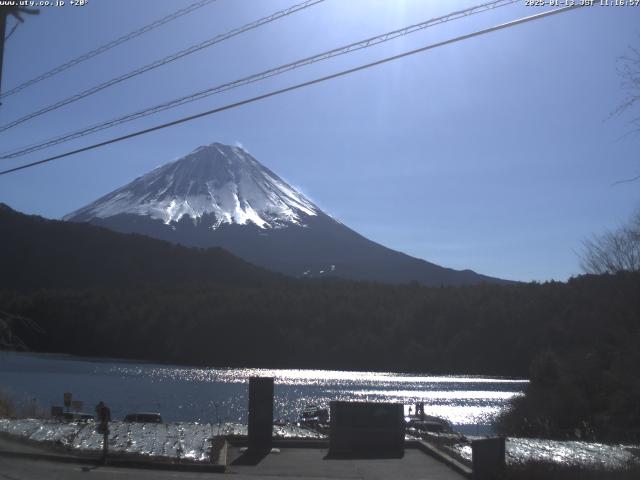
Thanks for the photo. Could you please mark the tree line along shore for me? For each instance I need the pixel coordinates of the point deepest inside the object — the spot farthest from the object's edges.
(82, 290)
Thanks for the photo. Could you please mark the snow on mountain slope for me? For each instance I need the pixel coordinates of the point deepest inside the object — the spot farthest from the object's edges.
(216, 179)
(220, 196)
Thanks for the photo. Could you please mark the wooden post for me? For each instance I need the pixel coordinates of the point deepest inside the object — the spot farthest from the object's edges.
(488, 457)
(260, 413)
(3, 26)
(5, 11)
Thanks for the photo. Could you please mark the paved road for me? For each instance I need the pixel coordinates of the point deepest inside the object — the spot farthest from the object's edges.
(309, 463)
(22, 469)
(9, 445)
(289, 463)
(292, 464)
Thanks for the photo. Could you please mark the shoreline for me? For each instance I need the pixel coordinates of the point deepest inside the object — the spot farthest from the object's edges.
(192, 443)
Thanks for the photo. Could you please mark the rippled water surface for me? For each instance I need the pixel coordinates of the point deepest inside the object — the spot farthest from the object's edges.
(184, 394)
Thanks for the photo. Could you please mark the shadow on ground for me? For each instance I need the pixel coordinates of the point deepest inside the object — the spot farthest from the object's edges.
(251, 457)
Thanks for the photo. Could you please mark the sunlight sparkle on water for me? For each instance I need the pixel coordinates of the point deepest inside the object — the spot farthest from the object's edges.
(302, 376)
(209, 395)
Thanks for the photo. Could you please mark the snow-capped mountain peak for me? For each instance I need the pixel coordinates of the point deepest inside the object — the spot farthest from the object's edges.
(224, 183)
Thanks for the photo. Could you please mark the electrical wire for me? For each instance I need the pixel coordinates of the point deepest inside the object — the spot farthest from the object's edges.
(108, 46)
(366, 43)
(297, 86)
(163, 61)
(15, 27)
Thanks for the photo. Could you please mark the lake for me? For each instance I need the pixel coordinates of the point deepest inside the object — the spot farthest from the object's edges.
(212, 395)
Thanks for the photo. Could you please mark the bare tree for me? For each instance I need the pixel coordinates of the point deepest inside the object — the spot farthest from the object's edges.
(614, 251)
(8, 323)
(629, 72)
(619, 250)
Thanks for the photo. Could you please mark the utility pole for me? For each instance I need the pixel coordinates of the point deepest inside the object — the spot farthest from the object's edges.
(15, 11)
(3, 28)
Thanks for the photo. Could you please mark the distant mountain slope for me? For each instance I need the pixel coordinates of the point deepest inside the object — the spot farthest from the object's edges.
(220, 195)
(39, 253)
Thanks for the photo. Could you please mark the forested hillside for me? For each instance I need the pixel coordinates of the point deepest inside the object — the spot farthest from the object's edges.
(39, 253)
(128, 296)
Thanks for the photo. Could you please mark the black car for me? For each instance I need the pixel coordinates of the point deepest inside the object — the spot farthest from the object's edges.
(144, 417)
(77, 417)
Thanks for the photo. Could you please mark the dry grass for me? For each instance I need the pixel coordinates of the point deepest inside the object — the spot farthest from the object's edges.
(24, 408)
(7, 404)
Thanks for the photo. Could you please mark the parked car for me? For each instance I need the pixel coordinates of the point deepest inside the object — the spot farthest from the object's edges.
(77, 417)
(436, 426)
(313, 415)
(143, 417)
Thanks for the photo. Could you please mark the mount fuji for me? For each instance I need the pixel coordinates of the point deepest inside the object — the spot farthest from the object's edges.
(219, 195)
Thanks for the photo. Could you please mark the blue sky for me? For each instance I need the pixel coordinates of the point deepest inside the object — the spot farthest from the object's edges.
(496, 154)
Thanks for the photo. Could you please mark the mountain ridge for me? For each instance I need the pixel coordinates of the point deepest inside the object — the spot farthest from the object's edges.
(219, 179)
(220, 195)
(40, 253)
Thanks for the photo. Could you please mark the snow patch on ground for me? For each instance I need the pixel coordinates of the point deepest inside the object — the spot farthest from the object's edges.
(189, 441)
(567, 453)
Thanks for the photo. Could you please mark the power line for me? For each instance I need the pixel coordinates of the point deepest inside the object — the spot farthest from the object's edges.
(366, 43)
(163, 61)
(108, 46)
(15, 27)
(296, 87)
